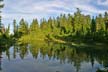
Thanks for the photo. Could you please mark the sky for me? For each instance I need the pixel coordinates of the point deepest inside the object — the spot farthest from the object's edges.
(30, 9)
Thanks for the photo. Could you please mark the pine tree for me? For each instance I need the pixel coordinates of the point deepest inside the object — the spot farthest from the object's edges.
(106, 21)
(7, 31)
(93, 25)
(23, 27)
(70, 24)
(100, 23)
(78, 21)
(15, 29)
(34, 26)
(44, 26)
(15, 26)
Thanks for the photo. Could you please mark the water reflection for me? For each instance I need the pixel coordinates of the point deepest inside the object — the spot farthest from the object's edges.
(3, 49)
(79, 58)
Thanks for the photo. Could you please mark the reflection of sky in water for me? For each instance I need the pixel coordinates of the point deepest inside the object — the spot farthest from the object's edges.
(29, 64)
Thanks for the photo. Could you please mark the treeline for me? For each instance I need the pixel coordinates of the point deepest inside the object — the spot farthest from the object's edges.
(77, 27)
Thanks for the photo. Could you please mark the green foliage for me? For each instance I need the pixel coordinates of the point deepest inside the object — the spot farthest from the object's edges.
(93, 25)
(23, 27)
(69, 27)
(34, 26)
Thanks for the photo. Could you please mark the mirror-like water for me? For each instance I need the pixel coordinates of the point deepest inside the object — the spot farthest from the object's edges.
(51, 57)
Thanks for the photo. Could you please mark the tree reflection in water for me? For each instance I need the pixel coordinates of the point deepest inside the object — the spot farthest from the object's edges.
(64, 53)
(5, 49)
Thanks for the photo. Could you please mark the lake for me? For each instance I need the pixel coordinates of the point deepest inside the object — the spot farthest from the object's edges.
(52, 57)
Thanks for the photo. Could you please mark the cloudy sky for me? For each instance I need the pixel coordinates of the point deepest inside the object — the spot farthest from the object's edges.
(29, 9)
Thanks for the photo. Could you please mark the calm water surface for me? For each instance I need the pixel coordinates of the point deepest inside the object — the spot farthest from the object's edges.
(50, 57)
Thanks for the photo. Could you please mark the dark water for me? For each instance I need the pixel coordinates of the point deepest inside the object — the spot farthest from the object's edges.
(51, 57)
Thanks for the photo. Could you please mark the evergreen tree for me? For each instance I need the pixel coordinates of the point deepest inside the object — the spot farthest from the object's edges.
(106, 21)
(70, 24)
(43, 26)
(100, 23)
(34, 26)
(15, 29)
(7, 31)
(23, 27)
(93, 25)
(15, 26)
(77, 21)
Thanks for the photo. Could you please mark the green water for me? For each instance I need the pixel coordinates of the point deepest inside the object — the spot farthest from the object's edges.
(52, 57)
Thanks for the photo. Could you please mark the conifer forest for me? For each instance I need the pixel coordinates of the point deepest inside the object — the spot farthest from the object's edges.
(64, 28)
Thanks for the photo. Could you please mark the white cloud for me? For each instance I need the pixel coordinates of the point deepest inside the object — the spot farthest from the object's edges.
(30, 9)
(105, 3)
(90, 9)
